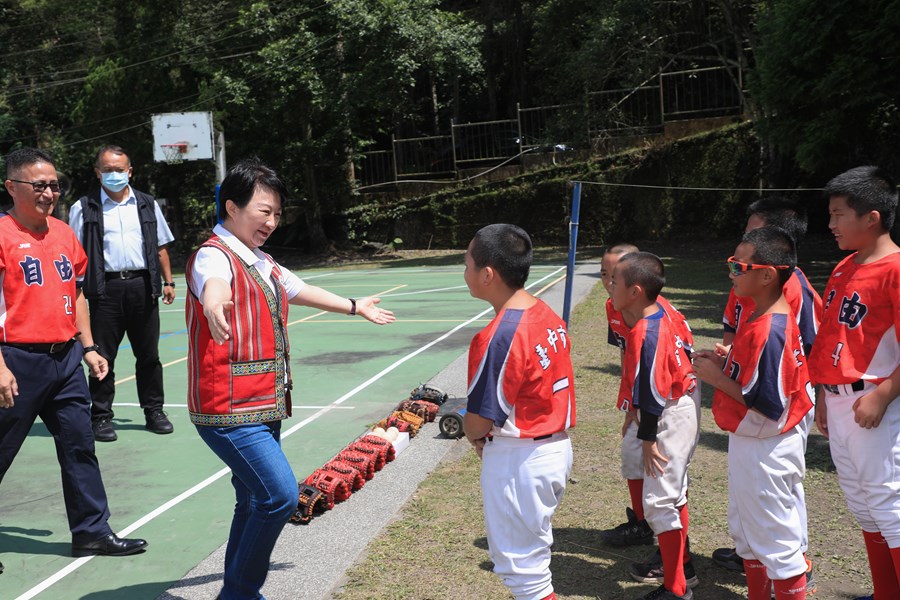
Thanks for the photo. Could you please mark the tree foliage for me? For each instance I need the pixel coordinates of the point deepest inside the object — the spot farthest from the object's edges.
(308, 85)
(828, 78)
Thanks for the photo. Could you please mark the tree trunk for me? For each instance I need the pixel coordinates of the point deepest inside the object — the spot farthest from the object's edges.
(317, 239)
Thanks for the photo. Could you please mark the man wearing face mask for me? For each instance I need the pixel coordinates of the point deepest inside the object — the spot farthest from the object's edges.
(124, 234)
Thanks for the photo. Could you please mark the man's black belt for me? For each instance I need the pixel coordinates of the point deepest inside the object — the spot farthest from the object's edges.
(126, 274)
(42, 348)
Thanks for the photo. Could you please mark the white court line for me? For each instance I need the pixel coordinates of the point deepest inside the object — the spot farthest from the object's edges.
(446, 289)
(59, 575)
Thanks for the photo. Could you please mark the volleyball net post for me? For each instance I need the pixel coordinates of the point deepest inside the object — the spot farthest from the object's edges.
(573, 245)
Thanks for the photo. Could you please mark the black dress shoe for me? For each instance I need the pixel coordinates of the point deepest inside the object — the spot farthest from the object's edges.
(111, 545)
(157, 422)
(104, 431)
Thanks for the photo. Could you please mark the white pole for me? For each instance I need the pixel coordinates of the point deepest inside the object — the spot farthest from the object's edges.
(220, 156)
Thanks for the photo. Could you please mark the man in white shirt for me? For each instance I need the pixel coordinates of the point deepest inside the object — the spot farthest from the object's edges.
(124, 234)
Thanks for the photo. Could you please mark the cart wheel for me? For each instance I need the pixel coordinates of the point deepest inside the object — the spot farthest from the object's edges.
(452, 426)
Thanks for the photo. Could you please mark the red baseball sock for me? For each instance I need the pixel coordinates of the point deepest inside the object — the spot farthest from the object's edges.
(552, 596)
(671, 547)
(685, 521)
(790, 589)
(758, 582)
(882, 561)
(636, 491)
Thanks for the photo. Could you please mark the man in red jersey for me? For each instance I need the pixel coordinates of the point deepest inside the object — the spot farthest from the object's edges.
(41, 269)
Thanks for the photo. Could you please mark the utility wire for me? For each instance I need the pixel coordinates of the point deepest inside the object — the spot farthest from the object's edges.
(696, 189)
(25, 89)
(206, 100)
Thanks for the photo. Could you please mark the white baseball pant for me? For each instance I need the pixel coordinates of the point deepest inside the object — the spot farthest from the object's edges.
(868, 462)
(522, 483)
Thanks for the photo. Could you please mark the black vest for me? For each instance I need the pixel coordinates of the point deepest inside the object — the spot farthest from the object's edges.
(92, 240)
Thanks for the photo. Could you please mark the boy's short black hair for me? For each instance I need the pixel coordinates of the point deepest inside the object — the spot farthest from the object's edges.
(644, 269)
(620, 249)
(25, 157)
(780, 212)
(506, 249)
(773, 246)
(242, 181)
(867, 188)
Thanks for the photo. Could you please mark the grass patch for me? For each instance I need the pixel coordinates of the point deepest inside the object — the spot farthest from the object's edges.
(437, 549)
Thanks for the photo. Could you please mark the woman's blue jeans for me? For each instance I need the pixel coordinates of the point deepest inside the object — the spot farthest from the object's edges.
(266, 492)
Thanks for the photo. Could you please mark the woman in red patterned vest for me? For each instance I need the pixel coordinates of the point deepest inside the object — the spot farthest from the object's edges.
(239, 378)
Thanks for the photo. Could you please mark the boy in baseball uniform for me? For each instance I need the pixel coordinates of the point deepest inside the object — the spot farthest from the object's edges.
(635, 530)
(521, 402)
(762, 397)
(806, 307)
(658, 380)
(856, 359)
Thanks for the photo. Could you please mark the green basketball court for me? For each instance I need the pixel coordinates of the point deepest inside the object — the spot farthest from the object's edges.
(172, 490)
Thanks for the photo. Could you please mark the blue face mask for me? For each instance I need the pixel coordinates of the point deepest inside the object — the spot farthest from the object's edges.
(114, 182)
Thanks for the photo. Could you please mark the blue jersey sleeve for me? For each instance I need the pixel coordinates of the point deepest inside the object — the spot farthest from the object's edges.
(486, 396)
(763, 392)
(807, 317)
(644, 393)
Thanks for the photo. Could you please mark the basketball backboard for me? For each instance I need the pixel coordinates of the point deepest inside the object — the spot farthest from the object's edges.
(192, 132)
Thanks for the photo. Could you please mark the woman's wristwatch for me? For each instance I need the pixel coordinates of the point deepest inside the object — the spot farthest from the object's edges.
(352, 306)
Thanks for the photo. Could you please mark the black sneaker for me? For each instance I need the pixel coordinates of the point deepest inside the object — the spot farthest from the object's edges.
(632, 533)
(104, 431)
(728, 558)
(652, 571)
(661, 593)
(157, 422)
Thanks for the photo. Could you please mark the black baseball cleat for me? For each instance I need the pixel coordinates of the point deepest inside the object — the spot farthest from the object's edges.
(104, 431)
(110, 545)
(728, 558)
(630, 533)
(661, 593)
(158, 422)
(652, 571)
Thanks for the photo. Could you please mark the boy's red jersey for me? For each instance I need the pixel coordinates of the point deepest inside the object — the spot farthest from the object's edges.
(656, 366)
(858, 337)
(805, 303)
(618, 329)
(767, 360)
(38, 287)
(520, 373)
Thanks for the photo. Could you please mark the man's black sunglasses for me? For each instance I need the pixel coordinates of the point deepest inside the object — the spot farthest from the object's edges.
(40, 186)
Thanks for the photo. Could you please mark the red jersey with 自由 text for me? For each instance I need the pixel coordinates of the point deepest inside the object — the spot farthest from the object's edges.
(39, 272)
(767, 360)
(858, 337)
(520, 373)
(656, 367)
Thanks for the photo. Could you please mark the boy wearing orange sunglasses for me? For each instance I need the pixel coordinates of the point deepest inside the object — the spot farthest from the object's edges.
(762, 397)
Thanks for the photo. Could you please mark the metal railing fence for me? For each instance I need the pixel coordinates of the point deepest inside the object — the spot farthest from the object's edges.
(640, 111)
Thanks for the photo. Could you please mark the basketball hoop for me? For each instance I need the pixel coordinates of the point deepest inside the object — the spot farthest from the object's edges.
(174, 153)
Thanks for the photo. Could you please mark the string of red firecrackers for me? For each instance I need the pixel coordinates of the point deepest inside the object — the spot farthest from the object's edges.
(357, 463)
